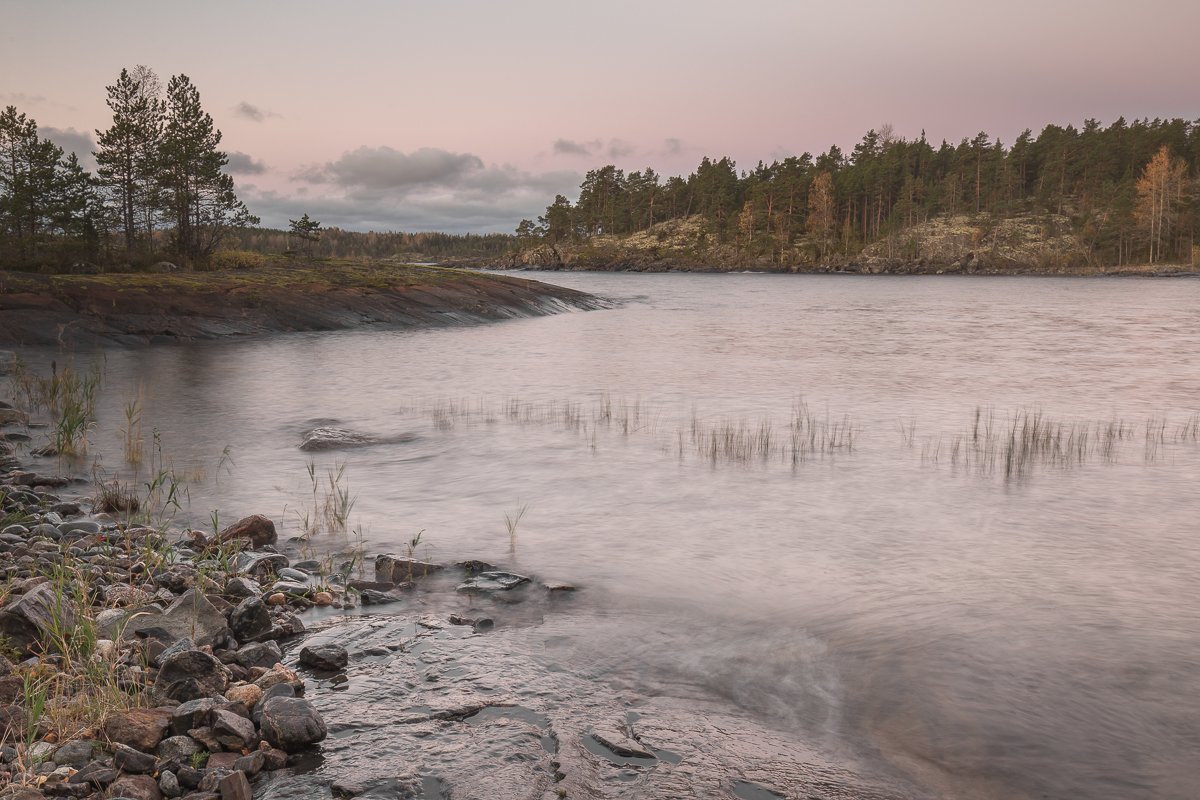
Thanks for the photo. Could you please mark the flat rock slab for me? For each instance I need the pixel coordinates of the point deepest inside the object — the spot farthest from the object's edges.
(487, 582)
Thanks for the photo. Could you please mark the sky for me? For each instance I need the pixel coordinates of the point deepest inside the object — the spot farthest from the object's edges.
(469, 116)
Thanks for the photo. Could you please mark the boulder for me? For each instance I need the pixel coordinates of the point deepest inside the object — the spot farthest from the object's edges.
(233, 731)
(139, 728)
(190, 675)
(324, 657)
(292, 723)
(35, 615)
(257, 530)
(192, 714)
(190, 616)
(398, 569)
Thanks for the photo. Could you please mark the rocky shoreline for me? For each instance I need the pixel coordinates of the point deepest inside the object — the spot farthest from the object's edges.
(135, 309)
(141, 663)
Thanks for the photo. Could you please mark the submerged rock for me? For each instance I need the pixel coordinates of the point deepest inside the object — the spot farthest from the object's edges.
(399, 569)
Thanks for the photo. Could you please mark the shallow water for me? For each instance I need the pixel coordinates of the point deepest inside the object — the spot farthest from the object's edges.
(897, 603)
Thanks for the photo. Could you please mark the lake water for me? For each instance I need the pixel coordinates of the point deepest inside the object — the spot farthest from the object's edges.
(899, 585)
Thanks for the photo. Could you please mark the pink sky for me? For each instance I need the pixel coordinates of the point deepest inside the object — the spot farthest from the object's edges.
(472, 115)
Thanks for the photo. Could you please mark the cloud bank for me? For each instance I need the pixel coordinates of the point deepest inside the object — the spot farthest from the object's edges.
(381, 188)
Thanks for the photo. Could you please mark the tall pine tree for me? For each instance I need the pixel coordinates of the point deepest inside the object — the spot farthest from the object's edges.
(198, 195)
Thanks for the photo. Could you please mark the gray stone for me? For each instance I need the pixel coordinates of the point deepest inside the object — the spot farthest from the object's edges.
(79, 526)
(325, 657)
(74, 754)
(293, 574)
(291, 723)
(371, 597)
(168, 784)
(126, 759)
(15, 530)
(178, 748)
(190, 675)
(193, 714)
(258, 654)
(250, 621)
(241, 587)
(94, 774)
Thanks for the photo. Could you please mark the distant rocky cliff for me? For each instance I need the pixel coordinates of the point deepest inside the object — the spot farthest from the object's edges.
(976, 244)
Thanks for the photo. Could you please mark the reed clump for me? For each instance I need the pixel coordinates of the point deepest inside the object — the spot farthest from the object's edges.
(1028, 439)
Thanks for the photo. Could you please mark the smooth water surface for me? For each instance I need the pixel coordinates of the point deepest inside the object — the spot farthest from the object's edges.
(981, 631)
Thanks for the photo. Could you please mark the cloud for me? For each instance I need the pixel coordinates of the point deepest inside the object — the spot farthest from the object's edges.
(252, 112)
(20, 99)
(385, 169)
(243, 164)
(566, 147)
(72, 141)
(382, 189)
(619, 148)
(613, 148)
(672, 146)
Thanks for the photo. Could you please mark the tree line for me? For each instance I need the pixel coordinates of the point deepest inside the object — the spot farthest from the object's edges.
(159, 187)
(1131, 191)
(335, 242)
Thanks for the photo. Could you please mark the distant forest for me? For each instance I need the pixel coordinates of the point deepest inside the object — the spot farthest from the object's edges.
(338, 243)
(1131, 191)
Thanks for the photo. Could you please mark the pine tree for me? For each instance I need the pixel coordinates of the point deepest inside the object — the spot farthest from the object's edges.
(307, 230)
(198, 195)
(127, 153)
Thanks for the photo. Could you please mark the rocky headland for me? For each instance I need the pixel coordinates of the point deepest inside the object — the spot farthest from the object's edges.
(138, 308)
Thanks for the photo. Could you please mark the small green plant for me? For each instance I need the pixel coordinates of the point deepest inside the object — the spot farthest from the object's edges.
(198, 760)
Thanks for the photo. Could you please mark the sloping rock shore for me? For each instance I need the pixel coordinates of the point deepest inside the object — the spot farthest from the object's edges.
(144, 308)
